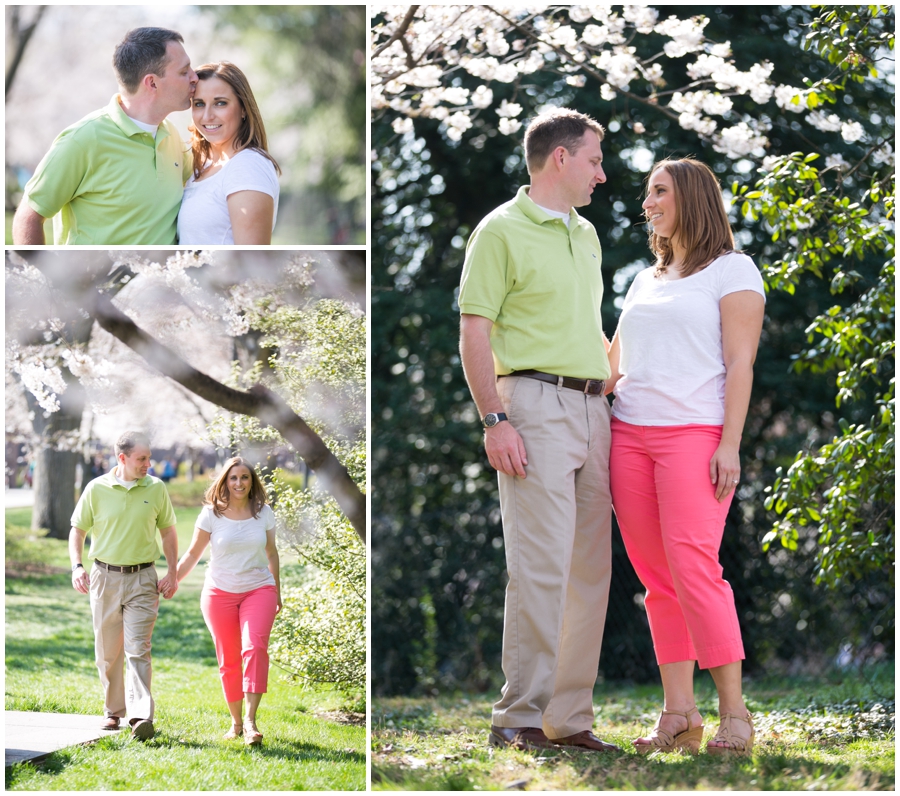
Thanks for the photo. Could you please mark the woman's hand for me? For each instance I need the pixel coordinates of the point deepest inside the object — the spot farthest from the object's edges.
(725, 469)
(279, 605)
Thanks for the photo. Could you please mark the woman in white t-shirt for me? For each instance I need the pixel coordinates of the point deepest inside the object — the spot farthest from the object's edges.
(682, 361)
(232, 195)
(242, 590)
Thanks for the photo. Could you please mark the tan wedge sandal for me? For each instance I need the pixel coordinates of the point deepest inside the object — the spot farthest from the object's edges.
(736, 744)
(252, 736)
(663, 741)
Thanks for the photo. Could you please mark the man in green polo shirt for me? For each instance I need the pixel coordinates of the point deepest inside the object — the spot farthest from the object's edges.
(122, 511)
(535, 358)
(116, 177)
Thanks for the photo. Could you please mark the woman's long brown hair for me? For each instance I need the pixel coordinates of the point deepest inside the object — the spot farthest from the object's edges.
(702, 225)
(250, 135)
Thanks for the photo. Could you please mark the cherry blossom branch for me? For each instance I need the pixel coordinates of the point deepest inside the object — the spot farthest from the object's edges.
(259, 402)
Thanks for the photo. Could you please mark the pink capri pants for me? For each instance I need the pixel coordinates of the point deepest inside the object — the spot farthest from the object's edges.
(240, 625)
(672, 526)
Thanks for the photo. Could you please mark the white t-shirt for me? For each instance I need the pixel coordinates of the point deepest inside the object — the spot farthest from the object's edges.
(203, 218)
(564, 217)
(670, 340)
(238, 561)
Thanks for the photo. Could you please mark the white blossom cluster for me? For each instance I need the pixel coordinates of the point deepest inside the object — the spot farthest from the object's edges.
(300, 269)
(42, 378)
(414, 66)
(173, 272)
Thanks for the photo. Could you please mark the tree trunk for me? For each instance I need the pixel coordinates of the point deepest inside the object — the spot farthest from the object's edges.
(54, 469)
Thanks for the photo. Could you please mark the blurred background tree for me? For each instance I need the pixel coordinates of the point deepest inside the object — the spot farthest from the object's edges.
(438, 560)
(306, 65)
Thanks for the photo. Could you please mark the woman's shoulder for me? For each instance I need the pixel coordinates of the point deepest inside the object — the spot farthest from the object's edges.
(252, 158)
(735, 258)
(206, 519)
(642, 276)
(737, 271)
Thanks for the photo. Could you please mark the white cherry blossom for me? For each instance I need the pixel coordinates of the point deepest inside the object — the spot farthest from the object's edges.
(509, 109)
(785, 96)
(509, 126)
(413, 68)
(852, 132)
(402, 124)
(827, 123)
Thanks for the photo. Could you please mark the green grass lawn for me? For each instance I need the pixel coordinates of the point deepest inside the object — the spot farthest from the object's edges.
(311, 741)
(812, 735)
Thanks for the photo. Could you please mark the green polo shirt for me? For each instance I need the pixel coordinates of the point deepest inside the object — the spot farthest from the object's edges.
(540, 283)
(123, 522)
(107, 182)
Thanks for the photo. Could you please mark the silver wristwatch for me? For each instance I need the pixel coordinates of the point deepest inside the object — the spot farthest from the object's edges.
(492, 418)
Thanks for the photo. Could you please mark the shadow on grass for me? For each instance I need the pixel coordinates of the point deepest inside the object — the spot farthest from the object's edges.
(300, 751)
(27, 583)
(180, 632)
(56, 763)
(67, 650)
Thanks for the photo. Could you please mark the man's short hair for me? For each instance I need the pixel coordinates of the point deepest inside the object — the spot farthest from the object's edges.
(142, 52)
(557, 127)
(127, 442)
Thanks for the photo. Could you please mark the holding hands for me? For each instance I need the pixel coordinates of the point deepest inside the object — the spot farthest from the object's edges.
(168, 585)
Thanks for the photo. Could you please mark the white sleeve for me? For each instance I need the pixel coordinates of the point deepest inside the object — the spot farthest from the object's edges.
(205, 521)
(250, 171)
(740, 273)
(268, 517)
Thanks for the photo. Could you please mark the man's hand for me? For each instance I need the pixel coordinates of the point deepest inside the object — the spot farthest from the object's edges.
(80, 581)
(505, 449)
(168, 585)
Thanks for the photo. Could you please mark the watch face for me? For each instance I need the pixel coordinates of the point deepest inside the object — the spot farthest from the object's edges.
(490, 420)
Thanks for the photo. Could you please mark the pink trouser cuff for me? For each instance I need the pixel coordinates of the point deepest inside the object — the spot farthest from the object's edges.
(706, 659)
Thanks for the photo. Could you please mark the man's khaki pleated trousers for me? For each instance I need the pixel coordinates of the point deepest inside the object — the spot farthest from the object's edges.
(124, 607)
(556, 528)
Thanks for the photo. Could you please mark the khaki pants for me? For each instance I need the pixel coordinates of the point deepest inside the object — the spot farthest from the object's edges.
(556, 527)
(124, 608)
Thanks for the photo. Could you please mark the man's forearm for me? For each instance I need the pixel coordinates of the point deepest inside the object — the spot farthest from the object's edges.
(170, 548)
(28, 227)
(478, 363)
(76, 546)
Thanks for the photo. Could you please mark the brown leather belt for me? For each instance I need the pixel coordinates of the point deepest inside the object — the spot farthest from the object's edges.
(129, 570)
(587, 386)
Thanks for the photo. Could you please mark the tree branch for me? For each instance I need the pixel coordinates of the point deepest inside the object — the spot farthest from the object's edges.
(260, 402)
(22, 34)
(401, 29)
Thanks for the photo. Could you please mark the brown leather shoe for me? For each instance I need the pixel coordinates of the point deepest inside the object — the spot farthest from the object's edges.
(586, 740)
(110, 723)
(519, 737)
(142, 729)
